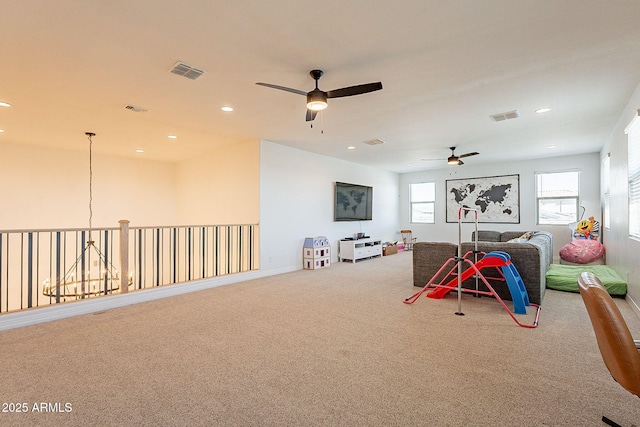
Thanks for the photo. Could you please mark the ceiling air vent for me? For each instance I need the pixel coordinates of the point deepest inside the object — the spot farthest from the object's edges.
(135, 108)
(505, 116)
(374, 142)
(182, 69)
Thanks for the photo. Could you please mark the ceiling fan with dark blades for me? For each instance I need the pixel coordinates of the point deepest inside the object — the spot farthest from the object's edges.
(317, 99)
(455, 160)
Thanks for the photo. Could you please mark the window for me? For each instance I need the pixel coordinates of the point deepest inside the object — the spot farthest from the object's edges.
(606, 184)
(633, 159)
(423, 202)
(557, 196)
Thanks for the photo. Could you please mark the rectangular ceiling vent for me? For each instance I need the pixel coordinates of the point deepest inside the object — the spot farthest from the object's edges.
(374, 142)
(135, 108)
(505, 116)
(182, 69)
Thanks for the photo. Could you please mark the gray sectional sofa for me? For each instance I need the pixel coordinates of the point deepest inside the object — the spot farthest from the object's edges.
(531, 257)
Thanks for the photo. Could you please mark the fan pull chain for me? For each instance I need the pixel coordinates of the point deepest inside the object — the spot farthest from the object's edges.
(321, 124)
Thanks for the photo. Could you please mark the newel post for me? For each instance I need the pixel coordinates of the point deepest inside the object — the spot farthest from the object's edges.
(124, 256)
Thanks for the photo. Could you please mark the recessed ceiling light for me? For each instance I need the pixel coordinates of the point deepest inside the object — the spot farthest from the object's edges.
(172, 137)
(543, 110)
(351, 148)
(551, 147)
(4, 104)
(139, 151)
(1, 130)
(226, 108)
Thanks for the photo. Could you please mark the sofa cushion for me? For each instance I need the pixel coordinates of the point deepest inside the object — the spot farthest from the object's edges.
(486, 236)
(497, 236)
(428, 258)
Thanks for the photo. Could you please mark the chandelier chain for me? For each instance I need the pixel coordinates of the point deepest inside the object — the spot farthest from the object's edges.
(90, 184)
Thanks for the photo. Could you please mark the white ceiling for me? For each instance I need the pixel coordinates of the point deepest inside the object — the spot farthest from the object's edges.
(68, 67)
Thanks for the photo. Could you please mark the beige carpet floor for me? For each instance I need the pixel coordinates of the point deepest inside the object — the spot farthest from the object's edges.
(330, 347)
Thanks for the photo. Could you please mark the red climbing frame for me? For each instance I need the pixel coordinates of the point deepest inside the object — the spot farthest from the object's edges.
(453, 280)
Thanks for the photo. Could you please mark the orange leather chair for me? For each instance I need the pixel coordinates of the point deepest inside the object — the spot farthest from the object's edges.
(618, 349)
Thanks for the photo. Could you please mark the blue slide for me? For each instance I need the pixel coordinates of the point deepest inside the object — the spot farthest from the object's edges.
(516, 286)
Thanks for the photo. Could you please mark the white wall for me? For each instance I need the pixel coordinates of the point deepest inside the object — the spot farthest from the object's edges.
(588, 164)
(46, 188)
(297, 199)
(622, 251)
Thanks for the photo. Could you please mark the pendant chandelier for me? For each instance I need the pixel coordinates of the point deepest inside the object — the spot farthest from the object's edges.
(91, 274)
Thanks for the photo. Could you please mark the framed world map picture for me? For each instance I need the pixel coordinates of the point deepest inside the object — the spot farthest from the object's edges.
(496, 198)
(353, 202)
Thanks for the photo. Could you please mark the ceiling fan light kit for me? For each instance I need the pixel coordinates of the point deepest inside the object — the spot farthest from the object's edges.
(317, 99)
(455, 160)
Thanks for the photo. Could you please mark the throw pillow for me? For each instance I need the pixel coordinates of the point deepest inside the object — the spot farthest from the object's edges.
(526, 236)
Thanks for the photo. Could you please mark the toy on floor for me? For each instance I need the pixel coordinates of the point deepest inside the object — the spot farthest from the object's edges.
(584, 247)
(582, 252)
(495, 259)
(587, 229)
(501, 261)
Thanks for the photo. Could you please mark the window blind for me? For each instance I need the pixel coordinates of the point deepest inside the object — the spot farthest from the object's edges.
(633, 167)
(606, 169)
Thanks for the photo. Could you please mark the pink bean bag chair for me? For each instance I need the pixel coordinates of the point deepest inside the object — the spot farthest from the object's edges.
(582, 251)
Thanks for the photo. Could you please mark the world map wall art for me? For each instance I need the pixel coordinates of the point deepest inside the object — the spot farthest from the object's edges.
(495, 198)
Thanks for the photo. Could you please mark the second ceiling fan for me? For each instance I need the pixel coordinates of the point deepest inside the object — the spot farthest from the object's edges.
(317, 99)
(455, 160)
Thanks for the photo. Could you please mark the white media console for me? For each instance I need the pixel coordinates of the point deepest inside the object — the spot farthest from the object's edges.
(353, 250)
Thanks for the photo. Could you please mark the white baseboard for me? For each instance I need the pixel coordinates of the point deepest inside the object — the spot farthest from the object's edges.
(633, 305)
